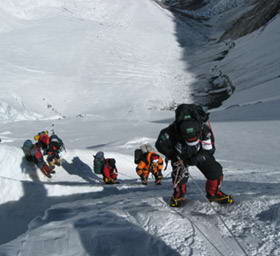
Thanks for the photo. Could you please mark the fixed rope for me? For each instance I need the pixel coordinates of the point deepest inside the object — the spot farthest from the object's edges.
(185, 217)
(182, 166)
(207, 239)
(219, 216)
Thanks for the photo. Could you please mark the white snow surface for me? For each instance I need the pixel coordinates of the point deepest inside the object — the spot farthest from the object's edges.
(83, 51)
(98, 73)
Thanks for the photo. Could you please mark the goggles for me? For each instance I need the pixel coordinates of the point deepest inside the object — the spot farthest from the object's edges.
(191, 139)
(192, 142)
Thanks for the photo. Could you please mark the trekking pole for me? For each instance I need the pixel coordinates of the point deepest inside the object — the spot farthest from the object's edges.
(220, 218)
(63, 146)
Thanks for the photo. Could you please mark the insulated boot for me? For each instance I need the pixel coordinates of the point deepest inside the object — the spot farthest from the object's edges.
(47, 170)
(158, 182)
(144, 180)
(108, 180)
(57, 162)
(176, 202)
(221, 198)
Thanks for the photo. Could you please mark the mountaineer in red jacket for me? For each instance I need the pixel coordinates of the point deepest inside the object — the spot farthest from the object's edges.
(43, 139)
(33, 154)
(110, 172)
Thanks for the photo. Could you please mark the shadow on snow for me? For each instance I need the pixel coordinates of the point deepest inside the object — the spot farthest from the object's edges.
(79, 168)
(16, 215)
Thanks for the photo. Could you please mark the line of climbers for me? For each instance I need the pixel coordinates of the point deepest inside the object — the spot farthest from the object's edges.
(147, 160)
(188, 141)
(44, 145)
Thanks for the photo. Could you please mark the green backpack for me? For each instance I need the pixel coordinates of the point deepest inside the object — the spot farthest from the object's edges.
(98, 162)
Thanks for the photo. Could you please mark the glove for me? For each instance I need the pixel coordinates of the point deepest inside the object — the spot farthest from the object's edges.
(199, 158)
(185, 159)
(177, 162)
(52, 156)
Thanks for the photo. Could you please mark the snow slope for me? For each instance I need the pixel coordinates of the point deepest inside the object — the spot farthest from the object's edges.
(84, 50)
(106, 68)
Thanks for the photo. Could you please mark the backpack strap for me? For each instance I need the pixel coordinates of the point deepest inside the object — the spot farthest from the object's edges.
(166, 163)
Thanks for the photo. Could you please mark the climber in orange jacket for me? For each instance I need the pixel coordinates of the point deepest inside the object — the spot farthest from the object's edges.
(153, 163)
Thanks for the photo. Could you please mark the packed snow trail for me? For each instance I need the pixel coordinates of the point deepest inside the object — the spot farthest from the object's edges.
(192, 230)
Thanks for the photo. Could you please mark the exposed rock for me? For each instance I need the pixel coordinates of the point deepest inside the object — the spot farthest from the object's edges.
(186, 4)
(257, 17)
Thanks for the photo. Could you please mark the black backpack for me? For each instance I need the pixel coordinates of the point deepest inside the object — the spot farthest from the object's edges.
(164, 143)
(57, 141)
(138, 156)
(111, 162)
(27, 147)
(140, 153)
(98, 162)
(190, 112)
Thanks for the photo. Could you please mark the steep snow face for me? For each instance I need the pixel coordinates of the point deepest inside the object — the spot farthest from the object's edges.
(81, 57)
(207, 8)
(260, 14)
(75, 56)
(253, 66)
(216, 7)
(258, 53)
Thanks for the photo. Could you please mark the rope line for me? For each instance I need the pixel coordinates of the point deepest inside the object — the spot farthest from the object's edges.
(208, 240)
(219, 216)
(185, 217)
